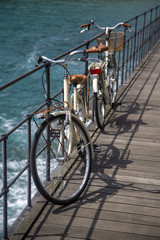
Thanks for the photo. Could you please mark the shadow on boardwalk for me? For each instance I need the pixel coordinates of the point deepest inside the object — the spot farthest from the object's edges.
(122, 198)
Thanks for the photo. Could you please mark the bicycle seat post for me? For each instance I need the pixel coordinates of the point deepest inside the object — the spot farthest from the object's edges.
(66, 88)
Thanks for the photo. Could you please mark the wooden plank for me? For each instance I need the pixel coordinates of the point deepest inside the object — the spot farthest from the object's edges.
(101, 225)
(123, 190)
(111, 216)
(85, 233)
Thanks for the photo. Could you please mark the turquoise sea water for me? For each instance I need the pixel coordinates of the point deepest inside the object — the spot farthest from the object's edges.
(31, 28)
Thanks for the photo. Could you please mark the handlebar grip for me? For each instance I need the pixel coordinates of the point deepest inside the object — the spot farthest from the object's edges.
(39, 60)
(126, 24)
(85, 25)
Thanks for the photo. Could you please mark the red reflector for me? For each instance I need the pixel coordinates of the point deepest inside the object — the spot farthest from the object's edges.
(95, 70)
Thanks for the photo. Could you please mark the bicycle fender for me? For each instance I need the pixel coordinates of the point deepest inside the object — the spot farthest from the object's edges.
(95, 83)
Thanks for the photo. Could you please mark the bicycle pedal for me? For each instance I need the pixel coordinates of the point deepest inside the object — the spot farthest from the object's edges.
(115, 104)
(97, 148)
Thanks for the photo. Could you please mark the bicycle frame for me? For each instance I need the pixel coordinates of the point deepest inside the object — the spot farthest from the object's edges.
(75, 99)
(109, 56)
(72, 135)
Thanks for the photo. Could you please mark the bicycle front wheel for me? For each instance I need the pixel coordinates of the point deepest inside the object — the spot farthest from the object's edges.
(60, 176)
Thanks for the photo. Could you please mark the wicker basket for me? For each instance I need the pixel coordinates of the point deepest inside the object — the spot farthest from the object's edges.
(116, 41)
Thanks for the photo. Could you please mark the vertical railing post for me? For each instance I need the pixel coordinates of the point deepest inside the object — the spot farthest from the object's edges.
(86, 73)
(47, 84)
(118, 66)
(156, 32)
(134, 48)
(143, 43)
(29, 169)
(130, 55)
(123, 59)
(137, 49)
(48, 102)
(156, 23)
(5, 190)
(127, 60)
(86, 62)
(150, 31)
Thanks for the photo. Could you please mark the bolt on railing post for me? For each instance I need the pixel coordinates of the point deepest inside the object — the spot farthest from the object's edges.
(29, 169)
(5, 205)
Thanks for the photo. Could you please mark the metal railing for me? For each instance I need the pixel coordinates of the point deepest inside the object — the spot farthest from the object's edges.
(145, 33)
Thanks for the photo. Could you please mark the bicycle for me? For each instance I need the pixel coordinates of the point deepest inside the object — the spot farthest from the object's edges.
(105, 77)
(62, 150)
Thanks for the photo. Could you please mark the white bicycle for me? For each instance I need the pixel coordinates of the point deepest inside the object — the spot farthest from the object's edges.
(62, 150)
(105, 78)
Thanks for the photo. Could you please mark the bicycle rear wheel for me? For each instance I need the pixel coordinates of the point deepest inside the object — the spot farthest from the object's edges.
(59, 176)
(99, 108)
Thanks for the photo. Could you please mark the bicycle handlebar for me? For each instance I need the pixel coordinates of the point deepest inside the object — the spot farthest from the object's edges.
(88, 25)
(61, 61)
(64, 61)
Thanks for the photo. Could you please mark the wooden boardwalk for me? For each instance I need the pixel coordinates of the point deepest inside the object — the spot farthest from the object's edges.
(122, 200)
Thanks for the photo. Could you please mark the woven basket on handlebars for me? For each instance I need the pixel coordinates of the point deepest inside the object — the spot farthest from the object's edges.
(115, 43)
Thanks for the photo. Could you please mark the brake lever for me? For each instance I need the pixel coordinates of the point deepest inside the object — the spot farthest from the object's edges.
(83, 30)
(86, 29)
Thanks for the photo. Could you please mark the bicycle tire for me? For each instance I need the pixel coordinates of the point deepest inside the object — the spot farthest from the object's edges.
(66, 177)
(99, 108)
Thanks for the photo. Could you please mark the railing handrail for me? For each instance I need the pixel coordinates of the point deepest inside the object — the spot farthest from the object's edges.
(43, 65)
(142, 39)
